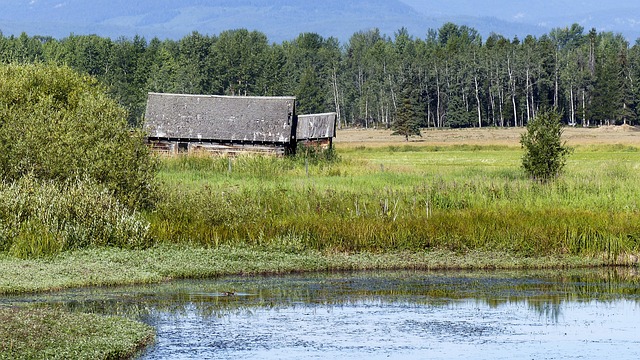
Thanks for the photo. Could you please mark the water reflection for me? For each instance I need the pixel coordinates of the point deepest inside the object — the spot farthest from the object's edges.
(379, 314)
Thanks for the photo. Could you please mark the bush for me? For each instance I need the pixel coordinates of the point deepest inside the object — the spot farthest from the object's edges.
(545, 154)
(316, 153)
(56, 124)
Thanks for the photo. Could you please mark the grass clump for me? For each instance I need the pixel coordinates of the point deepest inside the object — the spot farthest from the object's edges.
(44, 218)
(42, 333)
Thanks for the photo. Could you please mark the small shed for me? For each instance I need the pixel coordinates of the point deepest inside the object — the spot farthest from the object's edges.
(317, 128)
(221, 123)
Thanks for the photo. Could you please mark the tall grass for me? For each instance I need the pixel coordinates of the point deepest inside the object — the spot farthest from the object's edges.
(458, 199)
(43, 218)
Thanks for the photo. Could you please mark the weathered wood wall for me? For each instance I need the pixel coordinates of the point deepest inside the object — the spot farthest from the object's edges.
(316, 126)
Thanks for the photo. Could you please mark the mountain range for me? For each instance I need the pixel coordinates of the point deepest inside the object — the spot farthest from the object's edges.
(283, 20)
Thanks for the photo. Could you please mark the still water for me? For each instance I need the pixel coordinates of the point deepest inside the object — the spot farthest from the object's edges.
(576, 314)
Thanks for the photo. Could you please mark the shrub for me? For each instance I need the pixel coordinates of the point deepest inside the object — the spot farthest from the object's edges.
(56, 124)
(545, 154)
(316, 153)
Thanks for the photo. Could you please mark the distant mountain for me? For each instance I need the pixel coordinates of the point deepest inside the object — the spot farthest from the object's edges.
(285, 19)
(620, 16)
(278, 19)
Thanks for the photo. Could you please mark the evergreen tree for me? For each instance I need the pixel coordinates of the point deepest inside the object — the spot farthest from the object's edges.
(407, 121)
(544, 152)
(462, 82)
(457, 114)
(310, 98)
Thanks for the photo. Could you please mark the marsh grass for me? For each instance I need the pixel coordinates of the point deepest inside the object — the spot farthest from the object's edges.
(42, 333)
(113, 266)
(43, 218)
(458, 198)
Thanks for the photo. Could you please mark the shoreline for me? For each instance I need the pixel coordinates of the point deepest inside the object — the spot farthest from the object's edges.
(115, 267)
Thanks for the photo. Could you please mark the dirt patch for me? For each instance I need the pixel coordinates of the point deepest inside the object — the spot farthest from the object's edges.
(625, 134)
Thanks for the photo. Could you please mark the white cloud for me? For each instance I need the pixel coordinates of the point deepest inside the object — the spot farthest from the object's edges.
(518, 16)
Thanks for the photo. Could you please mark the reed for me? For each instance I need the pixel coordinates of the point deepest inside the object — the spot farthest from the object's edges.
(43, 218)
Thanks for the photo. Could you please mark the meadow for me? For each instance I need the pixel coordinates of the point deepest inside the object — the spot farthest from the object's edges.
(452, 199)
(457, 191)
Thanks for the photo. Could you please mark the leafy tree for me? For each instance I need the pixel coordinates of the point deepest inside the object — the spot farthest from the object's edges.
(56, 124)
(163, 68)
(126, 81)
(240, 57)
(545, 154)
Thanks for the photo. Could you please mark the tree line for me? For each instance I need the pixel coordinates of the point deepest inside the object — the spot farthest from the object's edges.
(449, 78)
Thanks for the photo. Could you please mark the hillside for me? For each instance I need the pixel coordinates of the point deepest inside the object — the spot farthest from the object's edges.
(622, 16)
(279, 19)
(285, 19)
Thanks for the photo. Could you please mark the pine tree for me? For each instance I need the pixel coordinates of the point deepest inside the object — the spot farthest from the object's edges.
(309, 94)
(407, 121)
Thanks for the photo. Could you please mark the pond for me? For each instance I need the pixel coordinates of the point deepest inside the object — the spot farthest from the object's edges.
(562, 314)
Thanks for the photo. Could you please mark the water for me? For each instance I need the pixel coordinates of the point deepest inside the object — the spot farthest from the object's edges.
(381, 315)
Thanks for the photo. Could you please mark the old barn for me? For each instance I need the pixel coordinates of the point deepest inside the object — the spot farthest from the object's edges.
(180, 122)
(316, 128)
(225, 123)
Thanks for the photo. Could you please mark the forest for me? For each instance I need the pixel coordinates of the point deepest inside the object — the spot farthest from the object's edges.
(451, 78)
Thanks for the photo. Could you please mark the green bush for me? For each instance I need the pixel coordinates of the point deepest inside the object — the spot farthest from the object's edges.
(316, 153)
(56, 124)
(545, 154)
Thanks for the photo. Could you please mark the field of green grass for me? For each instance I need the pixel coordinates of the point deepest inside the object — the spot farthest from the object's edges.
(410, 198)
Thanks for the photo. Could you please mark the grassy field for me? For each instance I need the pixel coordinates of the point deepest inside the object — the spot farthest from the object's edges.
(607, 135)
(387, 195)
(453, 199)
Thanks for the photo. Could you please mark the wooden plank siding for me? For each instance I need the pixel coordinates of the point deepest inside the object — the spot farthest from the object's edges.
(316, 126)
(319, 129)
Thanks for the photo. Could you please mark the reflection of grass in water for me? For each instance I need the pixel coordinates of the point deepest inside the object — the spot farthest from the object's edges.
(108, 267)
(543, 291)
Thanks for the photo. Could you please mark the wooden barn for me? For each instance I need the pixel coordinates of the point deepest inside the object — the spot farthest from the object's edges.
(231, 124)
(317, 129)
(178, 122)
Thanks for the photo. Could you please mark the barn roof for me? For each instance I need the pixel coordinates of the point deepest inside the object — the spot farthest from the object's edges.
(220, 118)
(316, 126)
